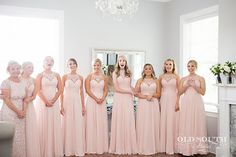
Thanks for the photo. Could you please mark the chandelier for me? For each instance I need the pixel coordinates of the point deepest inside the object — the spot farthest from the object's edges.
(118, 8)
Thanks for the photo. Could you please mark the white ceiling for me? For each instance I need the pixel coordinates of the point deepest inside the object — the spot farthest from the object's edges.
(161, 0)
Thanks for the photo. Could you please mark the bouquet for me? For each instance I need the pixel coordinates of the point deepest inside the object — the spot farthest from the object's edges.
(216, 69)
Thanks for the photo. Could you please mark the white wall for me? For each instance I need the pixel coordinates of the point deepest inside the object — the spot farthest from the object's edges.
(227, 30)
(84, 29)
(174, 10)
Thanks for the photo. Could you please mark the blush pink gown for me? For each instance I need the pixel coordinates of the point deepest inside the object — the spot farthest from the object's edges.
(192, 125)
(17, 94)
(123, 134)
(169, 118)
(96, 120)
(49, 119)
(73, 120)
(32, 132)
(148, 121)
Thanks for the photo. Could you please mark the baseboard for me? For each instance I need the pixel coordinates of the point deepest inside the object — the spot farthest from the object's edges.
(212, 147)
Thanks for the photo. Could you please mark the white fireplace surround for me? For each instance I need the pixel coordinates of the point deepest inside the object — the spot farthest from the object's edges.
(227, 96)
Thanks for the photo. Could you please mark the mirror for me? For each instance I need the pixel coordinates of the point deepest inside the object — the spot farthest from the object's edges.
(135, 59)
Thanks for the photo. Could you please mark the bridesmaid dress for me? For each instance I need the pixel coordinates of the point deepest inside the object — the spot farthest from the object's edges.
(148, 121)
(32, 133)
(49, 119)
(17, 94)
(123, 134)
(169, 118)
(73, 120)
(96, 120)
(192, 125)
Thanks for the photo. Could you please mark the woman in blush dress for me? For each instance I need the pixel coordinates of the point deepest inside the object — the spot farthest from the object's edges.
(148, 113)
(169, 107)
(14, 107)
(192, 124)
(96, 86)
(123, 134)
(32, 133)
(73, 110)
(48, 110)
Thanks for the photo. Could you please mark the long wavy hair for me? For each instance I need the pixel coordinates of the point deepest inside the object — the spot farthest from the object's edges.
(117, 67)
(174, 67)
(153, 75)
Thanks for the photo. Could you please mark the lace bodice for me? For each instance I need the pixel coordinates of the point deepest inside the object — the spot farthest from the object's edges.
(148, 87)
(17, 89)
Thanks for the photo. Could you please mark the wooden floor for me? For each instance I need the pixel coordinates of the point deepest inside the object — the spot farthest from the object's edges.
(157, 155)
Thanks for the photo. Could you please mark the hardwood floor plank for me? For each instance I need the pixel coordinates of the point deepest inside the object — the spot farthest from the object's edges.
(156, 155)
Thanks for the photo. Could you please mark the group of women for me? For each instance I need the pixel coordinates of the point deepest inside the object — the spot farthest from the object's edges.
(47, 127)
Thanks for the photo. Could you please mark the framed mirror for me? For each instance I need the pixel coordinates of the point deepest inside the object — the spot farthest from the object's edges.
(135, 59)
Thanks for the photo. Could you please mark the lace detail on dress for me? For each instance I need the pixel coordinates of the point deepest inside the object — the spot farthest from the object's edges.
(149, 82)
(49, 76)
(98, 79)
(73, 77)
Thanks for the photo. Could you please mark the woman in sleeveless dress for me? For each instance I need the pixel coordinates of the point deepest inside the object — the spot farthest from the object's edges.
(169, 106)
(123, 134)
(192, 126)
(96, 86)
(32, 133)
(48, 110)
(148, 113)
(14, 107)
(73, 110)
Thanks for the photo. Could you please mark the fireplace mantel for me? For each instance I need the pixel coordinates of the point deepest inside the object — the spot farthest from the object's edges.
(226, 96)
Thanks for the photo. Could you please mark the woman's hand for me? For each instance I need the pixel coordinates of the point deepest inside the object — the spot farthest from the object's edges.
(20, 114)
(49, 103)
(27, 100)
(177, 107)
(83, 110)
(149, 97)
(62, 111)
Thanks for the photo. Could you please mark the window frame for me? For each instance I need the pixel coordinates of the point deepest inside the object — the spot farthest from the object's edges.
(191, 17)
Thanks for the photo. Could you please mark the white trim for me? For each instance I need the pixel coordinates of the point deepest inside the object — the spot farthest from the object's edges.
(212, 147)
(40, 13)
(212, 114)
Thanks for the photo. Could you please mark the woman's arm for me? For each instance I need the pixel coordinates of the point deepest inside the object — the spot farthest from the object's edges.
(88, 89)
(39, 90)
(202, 89)
(158, 90)
(82, 95)
(6, 98)
(182, 88)
(33, 96)
(105, 90)
(62, 93)
(59, 89)
(117, 88)
(178, 95)
(138, 90)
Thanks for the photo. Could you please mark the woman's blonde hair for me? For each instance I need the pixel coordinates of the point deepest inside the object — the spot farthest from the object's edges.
(193, 62)
(174, 67)
(97, 60)
(11, 64)
(25, 64)
(153, 72)
(117, 67)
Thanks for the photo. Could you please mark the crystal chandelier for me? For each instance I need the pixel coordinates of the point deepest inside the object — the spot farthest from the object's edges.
(118, 8)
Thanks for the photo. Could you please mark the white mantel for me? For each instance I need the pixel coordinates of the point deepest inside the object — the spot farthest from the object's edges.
(227, 96)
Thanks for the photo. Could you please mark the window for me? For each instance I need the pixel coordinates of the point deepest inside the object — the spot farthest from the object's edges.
(200, 42)
(25, 37)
